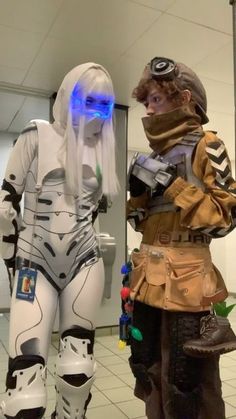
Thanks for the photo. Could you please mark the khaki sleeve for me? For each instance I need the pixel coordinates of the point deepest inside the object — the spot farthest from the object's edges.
(137, 212)
(208, 209)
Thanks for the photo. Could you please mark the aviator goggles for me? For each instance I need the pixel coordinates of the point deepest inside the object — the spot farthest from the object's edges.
(163, 68)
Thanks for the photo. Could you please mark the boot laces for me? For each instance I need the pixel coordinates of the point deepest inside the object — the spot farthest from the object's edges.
(206, 324)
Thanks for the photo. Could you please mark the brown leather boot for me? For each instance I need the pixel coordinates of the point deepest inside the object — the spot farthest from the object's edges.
(216, 337)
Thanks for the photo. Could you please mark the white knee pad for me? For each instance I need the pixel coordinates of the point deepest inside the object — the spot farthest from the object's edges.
(30, 391)
(73, 360)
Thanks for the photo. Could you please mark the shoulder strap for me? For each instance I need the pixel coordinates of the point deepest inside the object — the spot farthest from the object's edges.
(192, 138)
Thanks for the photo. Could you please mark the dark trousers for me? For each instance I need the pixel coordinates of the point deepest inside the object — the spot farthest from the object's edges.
(172, 384)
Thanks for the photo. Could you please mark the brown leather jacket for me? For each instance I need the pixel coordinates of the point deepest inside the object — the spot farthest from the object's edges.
(173, 269)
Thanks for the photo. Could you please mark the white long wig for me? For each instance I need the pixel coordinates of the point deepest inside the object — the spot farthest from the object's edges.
(93, 78)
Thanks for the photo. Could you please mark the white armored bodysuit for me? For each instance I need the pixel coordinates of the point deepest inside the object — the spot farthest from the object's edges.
(56, 232)
(58, 242)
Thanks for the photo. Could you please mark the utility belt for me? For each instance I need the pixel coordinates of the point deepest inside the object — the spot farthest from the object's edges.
(181, 238)
(175, 279)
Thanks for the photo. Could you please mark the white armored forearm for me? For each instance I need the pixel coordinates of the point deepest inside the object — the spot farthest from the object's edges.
(10, 220)
(7, 213)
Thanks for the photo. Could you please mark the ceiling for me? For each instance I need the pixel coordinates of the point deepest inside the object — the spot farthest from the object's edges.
(40, 41)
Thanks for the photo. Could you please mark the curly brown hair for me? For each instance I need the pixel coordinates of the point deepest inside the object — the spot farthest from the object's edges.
(170, 88)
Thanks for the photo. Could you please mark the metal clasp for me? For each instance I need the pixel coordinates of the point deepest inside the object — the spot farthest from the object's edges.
(156, 254)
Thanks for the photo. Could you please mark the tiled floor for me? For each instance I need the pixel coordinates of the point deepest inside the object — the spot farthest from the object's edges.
(112, 392)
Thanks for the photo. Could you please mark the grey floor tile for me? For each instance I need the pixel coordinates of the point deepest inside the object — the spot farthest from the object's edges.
(103, 372)
(121, 394)
(132, 408)
(128, 379)
(110, 360)
(228, 390)
(99, 399)
(108, 382)
(119, 369)
(229, 410)
(110, 411)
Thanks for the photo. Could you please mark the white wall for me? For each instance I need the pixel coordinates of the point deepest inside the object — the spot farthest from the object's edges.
(6, 142)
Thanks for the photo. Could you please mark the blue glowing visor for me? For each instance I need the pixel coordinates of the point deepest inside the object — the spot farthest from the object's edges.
(96, 105)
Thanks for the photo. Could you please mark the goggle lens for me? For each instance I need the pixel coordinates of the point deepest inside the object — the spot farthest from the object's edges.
(96, 105)
(163, 68)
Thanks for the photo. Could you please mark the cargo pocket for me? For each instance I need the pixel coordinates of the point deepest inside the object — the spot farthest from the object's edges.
(214, 289)
(209, 283)
(156, 269)
(185, 285)
(137, 276)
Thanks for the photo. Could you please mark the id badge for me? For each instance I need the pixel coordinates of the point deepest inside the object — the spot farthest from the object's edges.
(26, 284)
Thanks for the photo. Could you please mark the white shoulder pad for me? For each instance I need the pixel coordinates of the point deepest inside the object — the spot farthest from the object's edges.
(31, 126)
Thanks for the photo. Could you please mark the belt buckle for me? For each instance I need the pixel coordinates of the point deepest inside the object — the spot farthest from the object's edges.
(156, 253)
